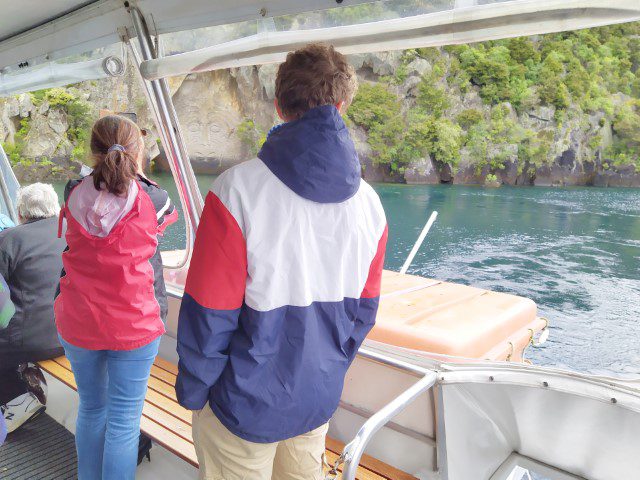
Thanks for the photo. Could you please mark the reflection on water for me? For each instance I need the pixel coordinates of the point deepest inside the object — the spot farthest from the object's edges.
(574, 251)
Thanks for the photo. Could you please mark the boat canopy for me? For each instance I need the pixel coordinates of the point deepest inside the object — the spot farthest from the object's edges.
(45, 73)
(259, 31)
(388, 26)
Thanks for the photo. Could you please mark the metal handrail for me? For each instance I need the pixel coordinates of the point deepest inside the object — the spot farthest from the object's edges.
(355, 449)
(155, 110)
(5, 189)
(416, 370)
(169, 127)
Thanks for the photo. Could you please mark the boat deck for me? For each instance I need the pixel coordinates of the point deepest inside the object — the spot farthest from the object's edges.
(169, 424)
(41, 449)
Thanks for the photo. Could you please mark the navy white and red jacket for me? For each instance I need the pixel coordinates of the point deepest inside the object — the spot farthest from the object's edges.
(112, 294)
(284, 283)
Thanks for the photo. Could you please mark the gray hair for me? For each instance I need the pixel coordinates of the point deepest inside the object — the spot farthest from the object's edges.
(36, 201)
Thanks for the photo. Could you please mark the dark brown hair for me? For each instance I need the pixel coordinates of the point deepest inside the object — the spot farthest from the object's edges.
(313, 76)
(115, 167)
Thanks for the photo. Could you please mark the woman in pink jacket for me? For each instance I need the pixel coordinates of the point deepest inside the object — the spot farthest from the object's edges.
(112, 302)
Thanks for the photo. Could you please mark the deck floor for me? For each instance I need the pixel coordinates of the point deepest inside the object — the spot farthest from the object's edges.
(169, 424)
(41, 449)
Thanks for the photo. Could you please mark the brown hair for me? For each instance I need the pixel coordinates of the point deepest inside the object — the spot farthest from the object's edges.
(313, 76)
(115, 146)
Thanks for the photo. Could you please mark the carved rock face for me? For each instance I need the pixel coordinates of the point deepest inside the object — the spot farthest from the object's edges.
(209, 112)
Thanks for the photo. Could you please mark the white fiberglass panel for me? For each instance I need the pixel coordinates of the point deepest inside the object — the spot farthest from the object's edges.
(564, 421)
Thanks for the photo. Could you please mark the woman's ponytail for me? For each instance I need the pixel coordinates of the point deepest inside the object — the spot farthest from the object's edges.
(115, 147)
(115, 172)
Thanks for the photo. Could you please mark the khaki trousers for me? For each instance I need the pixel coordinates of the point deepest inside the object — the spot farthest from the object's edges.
(224, 456)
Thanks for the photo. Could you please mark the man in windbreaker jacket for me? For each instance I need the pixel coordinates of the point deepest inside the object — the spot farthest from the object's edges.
(283, 286)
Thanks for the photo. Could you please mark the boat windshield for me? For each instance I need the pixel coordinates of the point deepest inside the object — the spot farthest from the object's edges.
(185, 41)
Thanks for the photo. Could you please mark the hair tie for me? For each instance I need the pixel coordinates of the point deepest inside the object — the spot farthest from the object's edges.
(114, 147)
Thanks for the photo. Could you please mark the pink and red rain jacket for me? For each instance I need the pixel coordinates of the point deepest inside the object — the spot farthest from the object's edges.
(112, 294)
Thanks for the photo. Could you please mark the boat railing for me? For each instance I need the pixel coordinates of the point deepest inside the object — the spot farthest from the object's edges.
(160, 103)
(353, 451)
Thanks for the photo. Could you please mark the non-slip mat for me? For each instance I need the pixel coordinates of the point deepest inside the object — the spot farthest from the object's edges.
(39, 450)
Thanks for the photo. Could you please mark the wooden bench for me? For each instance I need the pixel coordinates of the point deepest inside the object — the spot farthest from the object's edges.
(169, 424)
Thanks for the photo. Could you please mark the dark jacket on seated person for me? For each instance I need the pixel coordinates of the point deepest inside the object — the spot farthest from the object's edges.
(30, 262)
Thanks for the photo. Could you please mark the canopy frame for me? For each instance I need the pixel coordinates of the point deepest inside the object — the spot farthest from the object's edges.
(461, 25)
(166, 119)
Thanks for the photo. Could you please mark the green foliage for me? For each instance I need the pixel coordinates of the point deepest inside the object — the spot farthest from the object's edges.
(58, 97)
(431, 98)
(79, 120)
(522, 50)
(395, 139)
(443, 140)
(574, 68)
(14, 153)
(470, 117)
(15, 150)
(251, 135)
(78, 116)
(626, 123)
(551, 89)
(578, 73)
(25, 126)
(489, 69)
(595, 142)
(535, 147)
(491, 180)
(378, 111)
(625, 149)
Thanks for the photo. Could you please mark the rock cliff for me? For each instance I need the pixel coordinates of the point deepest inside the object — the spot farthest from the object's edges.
(450, 129)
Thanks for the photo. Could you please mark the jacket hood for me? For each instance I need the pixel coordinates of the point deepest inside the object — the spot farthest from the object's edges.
(99, 211)
(314, 156)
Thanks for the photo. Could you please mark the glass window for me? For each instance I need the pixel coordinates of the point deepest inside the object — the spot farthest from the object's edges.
(179, 42)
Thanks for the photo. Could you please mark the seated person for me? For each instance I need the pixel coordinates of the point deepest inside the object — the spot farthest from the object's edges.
(7, 310)
(30, 262)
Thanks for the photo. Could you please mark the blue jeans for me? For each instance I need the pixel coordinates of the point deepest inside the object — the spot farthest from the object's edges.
(112, 386)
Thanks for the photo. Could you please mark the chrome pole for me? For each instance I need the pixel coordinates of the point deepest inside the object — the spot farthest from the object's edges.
(355, 449)
(168, 123)
(153, 106)
(5, 189)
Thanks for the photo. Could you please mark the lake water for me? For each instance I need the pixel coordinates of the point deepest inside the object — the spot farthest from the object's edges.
(574, 251)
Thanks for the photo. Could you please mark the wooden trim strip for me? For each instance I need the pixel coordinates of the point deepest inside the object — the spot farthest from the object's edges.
(161, 374)
(371, 463)
(180, 447)
(166, 365)
(362, 473)
(172, 440)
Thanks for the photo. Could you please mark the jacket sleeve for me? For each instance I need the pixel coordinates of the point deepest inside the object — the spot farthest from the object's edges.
(213, 297)
(370, 296)
(166, 214)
